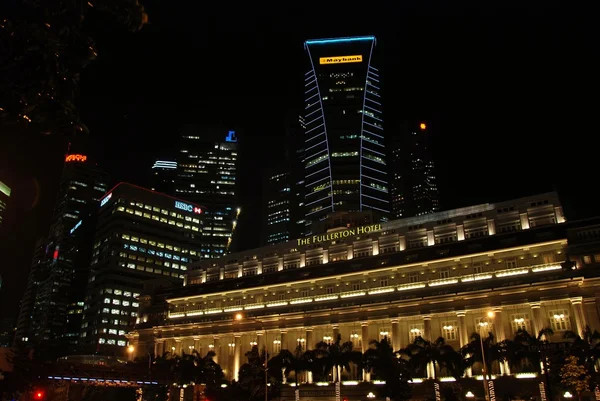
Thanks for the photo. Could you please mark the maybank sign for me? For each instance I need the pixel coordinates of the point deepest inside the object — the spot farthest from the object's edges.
(340, 59)
(315, 239)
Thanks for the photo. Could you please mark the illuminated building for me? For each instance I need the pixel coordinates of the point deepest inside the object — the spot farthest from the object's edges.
(141, 235)
(55, 268)
(207, 175)
(164, 173)
(430, 276)
(345, 154)
(414, 184)
(283, 191)
(4, 196)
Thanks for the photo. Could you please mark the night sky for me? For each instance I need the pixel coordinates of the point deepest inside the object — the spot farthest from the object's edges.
(509, 94)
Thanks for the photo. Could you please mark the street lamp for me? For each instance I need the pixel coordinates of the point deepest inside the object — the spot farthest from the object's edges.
(490, 315)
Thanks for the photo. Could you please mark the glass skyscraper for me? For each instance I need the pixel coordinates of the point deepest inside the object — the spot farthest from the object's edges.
(345, 154)
(207, 175)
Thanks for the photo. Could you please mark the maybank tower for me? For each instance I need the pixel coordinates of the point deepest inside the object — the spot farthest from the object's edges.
(345, 154)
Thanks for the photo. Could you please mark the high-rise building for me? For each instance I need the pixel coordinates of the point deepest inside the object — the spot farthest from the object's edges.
(38, 261)
(53, 272)
(414, 186)
(207, 175)
(141, 235)
(4, 196)
(163, 177)
(345, 153)
(278, 195)
(283, 190)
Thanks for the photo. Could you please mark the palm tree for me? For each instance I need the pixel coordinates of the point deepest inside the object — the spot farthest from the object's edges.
(526, 347)
(586, 348)
(384, 363)
(423, 353)
(472, 351)
(285, 361)
(336, 356)
(251, 383)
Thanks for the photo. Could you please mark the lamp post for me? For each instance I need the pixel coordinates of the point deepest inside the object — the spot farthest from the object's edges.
(484, 370)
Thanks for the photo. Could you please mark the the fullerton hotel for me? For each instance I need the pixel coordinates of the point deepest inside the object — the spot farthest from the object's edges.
(431, 276)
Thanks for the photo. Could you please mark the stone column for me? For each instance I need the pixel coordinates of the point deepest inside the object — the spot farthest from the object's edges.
(580, 320)
(537, 321)
(427, 327)
(157, 348)
(463, 331)
(178, 346)
(260, 341)
(284, 340)
(216, 348)
(237, 352)
(396, 343)
(309, 345)
(198, 346)
(365, 346)
(500, 336)
(336, 332)
(499, 325)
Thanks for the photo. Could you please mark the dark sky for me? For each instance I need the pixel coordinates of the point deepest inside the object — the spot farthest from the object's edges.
(510, 94)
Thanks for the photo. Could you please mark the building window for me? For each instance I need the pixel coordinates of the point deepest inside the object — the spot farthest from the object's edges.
(587, 259)
(520, 322)
(444, 273)
(276, 346)
(330, 290)
(413, 277)
(415, 330)
(559, 320)
(355, 286)
(384, 282)
(450, 330)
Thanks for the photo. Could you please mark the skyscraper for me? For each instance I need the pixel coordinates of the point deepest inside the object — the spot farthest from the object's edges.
(207, 175)
(53, 273)
(414, 187)
(4, 196)
(163, 176)
(345, 154)
(283, 189)
(141, 235)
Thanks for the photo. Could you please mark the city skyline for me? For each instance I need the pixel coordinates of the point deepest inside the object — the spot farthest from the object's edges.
(134, 111)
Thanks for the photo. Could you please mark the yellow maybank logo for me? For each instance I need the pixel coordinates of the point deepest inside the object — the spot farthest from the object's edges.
(340, 59)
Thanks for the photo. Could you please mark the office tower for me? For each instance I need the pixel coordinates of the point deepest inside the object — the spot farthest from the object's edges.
(141, 235)
(163, 177)
(207, 175)
(414, 187)
(345, 153)
(38, 261)
(82, 184)
(4, 196)
(278, 196)
(283, 189)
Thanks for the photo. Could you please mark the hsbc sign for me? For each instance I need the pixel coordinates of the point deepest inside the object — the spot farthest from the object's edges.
(187, 207)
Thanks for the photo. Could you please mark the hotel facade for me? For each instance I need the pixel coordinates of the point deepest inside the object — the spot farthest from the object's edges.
(430, 276)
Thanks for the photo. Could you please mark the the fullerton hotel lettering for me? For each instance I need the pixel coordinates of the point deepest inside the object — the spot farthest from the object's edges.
(339, 234)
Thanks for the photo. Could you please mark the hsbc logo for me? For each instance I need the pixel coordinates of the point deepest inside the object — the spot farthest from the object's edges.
(187, 207)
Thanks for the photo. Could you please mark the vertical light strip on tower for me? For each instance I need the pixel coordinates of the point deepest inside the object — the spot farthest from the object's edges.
(311, 156)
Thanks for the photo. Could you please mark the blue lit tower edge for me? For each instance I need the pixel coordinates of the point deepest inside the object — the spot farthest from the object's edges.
(344, 139)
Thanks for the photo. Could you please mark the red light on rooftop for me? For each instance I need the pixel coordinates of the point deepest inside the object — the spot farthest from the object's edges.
(75, 158)
(39, 395)
(423, 126)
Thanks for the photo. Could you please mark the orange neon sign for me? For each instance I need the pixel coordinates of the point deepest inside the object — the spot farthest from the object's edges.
(75, 158)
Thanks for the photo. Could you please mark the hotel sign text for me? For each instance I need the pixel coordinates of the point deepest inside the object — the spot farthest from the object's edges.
(340, 59)
(339, 234)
